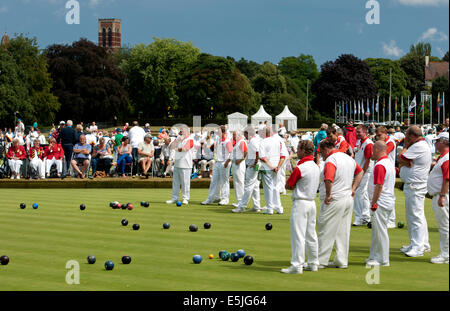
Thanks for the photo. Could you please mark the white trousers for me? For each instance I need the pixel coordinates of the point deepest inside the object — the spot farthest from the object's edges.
(441, 214)
(15, 165)
(271, 193)
(415, 215)
(38, 165)
(379, 247)
(362, 201)
(204, 163)
(333, 226)
(238, 180)
(49, 163)
(181, 179)
(281, 180)
(251, 189)
(303, 233)
(219, 188)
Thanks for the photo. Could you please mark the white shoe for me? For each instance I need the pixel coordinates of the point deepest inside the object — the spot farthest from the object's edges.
(293, 270)
(238, 210)
(170, 202)
(18, 176)
(426, 249)
(268, 211)
(357, 224)
(205, 203)
(333, 265)
(223, 202)
(372, 263)
(311, 267)
(391, 225)
(414, 253)
(13, 176)
(185, 202)
(321, 266)
(235, 204)
(279, 210)
(405, 248)
(439, 260)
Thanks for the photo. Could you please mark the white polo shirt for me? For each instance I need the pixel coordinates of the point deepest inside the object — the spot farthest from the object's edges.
(239, 148)
(305, 179)
(283, 149)
(270, 148)
(383, 174)
(253, 148)
(390, 148)
(136, 135)
(420, 155)
(438, 174)
(364, 151)
(340, 169)
(224, 149)
(184, 159)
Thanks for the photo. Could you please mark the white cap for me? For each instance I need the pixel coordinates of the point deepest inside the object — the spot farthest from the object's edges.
(443, 136)
(62, 122)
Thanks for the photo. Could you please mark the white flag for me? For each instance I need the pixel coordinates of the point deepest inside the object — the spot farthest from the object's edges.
(412, 104)
(362, 107)
(376, 106)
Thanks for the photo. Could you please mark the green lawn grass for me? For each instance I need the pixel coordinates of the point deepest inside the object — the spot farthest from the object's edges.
(40, 242)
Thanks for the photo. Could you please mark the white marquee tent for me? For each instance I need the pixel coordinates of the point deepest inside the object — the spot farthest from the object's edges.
(237, 121)
(288, 119)
(261, 116)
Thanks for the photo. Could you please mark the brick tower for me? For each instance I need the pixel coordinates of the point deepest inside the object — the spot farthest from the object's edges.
(110, 33)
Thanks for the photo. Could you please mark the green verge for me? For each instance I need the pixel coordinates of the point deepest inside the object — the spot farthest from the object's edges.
(40, 242)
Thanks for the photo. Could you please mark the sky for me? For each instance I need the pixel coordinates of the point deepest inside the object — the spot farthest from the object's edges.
(258, 30)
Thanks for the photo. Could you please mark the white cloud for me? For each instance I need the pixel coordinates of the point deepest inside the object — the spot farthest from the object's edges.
(432, 34)
(423, 2)
(440, 51)
(391, 49)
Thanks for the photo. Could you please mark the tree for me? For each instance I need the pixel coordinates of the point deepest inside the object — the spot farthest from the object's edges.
(445, 58)
(34, 76)
(270, 84)
(13, 93)
(414, 67)
(89, 86)
(420, 49)
(248, 68)
(379, 68)
(214, 81)
(300, 69)
(347, 78)
(154, 73)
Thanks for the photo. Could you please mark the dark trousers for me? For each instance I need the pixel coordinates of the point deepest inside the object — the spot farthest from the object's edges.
(68, 151)
(104, 164)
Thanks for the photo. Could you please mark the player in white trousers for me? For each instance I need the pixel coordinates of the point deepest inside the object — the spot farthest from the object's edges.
(15, 155)
(182, 167)
(270, 156)
(415, 163)
(438, 183)
(238, 165)
(282, 169)
(251, 183)
(381, 193)
(363, 154)
(340, 178)
(219, 188)
(381, 133)
(36, 156)
(304, 181)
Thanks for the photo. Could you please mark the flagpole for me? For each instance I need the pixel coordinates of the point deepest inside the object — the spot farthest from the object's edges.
(439, 110)
(378, 108)
(373, 103)
(384, 115)
(443, 107)
(401, 111)
(431, 109)
(390, 92)
(409, 117)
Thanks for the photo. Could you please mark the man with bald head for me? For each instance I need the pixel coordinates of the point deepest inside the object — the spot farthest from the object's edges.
(381, 193)
(415, 162)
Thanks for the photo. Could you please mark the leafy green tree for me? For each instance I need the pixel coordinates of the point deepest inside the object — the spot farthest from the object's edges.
(89, 86)
(13, 93)
(347, 78)
(445, 58)
(414, 67)
(154, 73)
(34, 75)
(248, 67)
(300, 69)
(214, 81)
(421, 49)
(379, 68)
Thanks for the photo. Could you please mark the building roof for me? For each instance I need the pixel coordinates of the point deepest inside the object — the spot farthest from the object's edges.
(435, 70)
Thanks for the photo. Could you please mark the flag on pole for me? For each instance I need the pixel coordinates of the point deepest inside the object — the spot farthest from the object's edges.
(354, 106)
(378, 102)
(368, 107)
(362, 107)
(421, 106)
(438, 106)
(412, 104)
(351, 109)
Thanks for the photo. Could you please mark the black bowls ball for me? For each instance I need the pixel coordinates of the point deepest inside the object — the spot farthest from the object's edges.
(136, 227)
(4, 260)
(269, 226)
(193, 228)
(124, 222)
(82, 207)
(23, 205)
(206, 225)
(126, 259)
(248, 260)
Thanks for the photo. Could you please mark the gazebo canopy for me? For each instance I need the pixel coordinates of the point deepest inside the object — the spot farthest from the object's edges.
(237, 121)
(288, 119)
(261, 116)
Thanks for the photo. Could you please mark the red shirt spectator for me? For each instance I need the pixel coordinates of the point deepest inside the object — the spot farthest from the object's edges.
(350, 136)
(54, 151)
(40, 153)
(18, 152)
